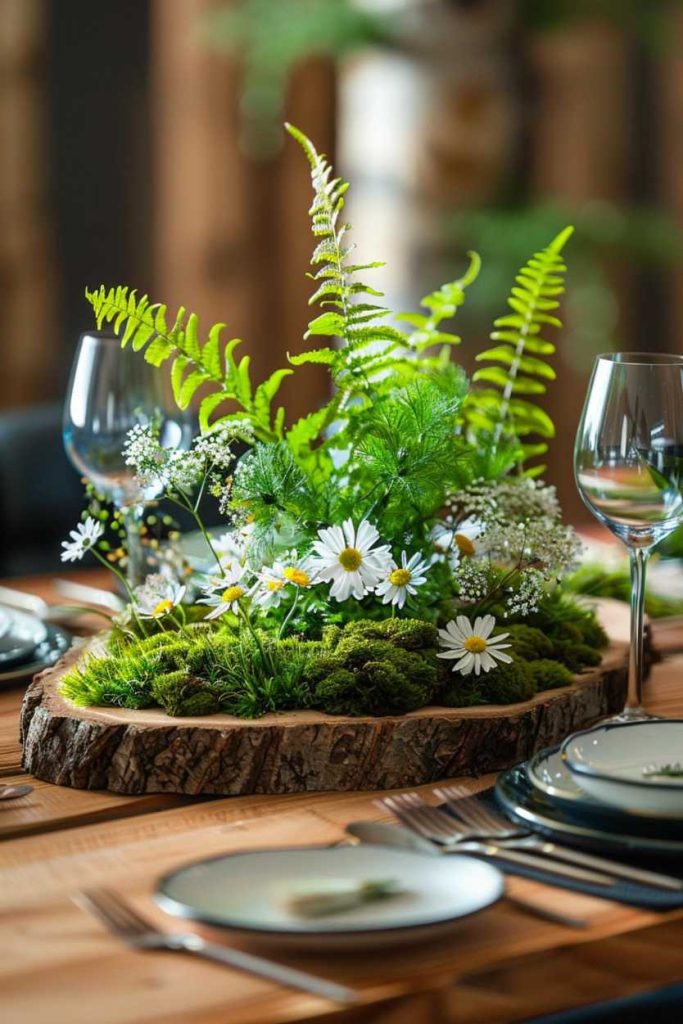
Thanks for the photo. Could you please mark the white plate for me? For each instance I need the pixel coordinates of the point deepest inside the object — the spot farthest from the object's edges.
(548, 772)
(612, 763)
(244, 892)
(21, 637)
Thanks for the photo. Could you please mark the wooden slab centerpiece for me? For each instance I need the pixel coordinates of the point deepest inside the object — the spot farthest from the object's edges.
(392, 550)
(292, 752)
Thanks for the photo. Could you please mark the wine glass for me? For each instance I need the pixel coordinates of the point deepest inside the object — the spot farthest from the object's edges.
(628, 464)
(112, 389)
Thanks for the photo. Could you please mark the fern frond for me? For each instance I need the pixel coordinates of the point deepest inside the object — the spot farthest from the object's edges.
(195, 364)
(442, 305)
(352, 319)
(500, 408)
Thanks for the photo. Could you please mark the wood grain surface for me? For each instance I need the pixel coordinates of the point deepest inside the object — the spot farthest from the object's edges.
(60, 966)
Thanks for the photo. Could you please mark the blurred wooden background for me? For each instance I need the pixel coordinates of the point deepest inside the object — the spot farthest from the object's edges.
(120, 160)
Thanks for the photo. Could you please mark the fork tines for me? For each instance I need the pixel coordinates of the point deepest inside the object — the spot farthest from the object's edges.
(118, 917)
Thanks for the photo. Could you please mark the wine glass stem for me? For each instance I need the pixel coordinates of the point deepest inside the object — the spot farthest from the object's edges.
(136, 570)
(634, 699)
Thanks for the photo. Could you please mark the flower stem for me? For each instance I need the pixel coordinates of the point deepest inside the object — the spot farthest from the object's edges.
(288, 615)
(126, 585)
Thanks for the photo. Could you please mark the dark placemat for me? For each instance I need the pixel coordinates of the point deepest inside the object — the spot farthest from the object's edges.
(623, 891)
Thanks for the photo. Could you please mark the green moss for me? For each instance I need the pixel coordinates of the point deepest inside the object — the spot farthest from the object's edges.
(505, 684)
(408, 634)
(181, 696)
(375, 668)
(548, 674)
(528, 643)
(364, 668)
(577, 657)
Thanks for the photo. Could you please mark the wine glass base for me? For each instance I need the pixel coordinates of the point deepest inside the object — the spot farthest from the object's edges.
(629, 715)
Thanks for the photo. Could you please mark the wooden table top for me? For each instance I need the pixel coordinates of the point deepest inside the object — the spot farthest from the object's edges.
(60, 965)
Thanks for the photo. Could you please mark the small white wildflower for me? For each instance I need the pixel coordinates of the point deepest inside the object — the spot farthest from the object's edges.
(402, 580)
(183, 470)
(216, 446)
(274, 580)
(224, 593)
(455, 540)
(472, 644)
(84, 537)
(158, 596)
(143, 452)
(347, 557)
(524, 598)
(473, 580)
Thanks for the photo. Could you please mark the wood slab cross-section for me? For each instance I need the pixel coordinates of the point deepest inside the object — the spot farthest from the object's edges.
(148, 752)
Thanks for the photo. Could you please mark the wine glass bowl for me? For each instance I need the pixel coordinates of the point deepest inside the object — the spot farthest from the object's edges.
(111, 390)
(628, 463)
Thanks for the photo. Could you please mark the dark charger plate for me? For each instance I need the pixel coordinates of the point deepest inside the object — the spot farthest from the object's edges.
(587, 825)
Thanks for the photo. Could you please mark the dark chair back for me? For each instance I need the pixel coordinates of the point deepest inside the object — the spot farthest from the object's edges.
(41, 495)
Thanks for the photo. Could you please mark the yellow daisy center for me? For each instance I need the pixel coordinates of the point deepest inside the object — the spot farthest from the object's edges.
(163, 608)
(399, 577)
(274, 585)
(350, 559)
(464, 544)
(475, 644)
(298, 576)
(231, 594)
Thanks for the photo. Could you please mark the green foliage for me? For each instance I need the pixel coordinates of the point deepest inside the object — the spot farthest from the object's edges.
(194, 363)
(373, 668)
(529, 644)
(373, 357)
(506, 684)
(408, 454)
(549, 674)
(500, 408)
(596, 581)
(268, 38)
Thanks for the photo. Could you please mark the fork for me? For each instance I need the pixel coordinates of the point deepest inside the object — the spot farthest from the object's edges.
(135, 931)
(482, 822)
(439, 827)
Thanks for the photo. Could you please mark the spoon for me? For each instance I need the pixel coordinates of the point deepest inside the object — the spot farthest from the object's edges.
(383, 834)
(14, 792)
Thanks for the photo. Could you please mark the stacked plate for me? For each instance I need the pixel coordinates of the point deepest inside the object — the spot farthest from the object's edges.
(616, 787)
(27, 645)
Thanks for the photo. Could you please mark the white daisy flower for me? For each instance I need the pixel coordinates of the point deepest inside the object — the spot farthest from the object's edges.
(455, 540)
(84, 537)
(158, 596)
(473, 645)
(224, 593)
(270, 589)
(349, 560)
(274, 580)
(402, 580)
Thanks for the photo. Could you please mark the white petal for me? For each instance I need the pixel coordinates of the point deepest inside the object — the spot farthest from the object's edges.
(477, 664)
(501, 657)
(366, 535)
(465, 665)
(349, 533)
(487, 662)
(488, 622)
(464, 625)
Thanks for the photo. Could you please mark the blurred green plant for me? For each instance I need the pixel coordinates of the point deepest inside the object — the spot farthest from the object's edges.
(270, 37)
(607, 237)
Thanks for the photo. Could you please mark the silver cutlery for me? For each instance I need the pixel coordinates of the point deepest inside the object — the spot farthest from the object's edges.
(135, 931)
(382, 834)
(481, 822)
(13, 792)
(438, 826)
